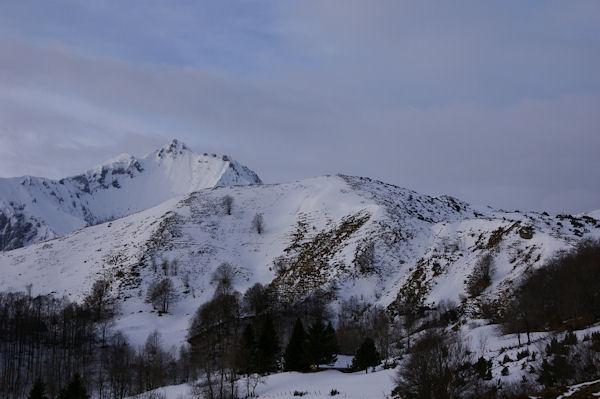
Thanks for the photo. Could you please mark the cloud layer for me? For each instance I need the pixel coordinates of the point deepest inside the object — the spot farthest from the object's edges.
(494, 104)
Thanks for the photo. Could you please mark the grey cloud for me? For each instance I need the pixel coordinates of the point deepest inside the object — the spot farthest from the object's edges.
(493, 114)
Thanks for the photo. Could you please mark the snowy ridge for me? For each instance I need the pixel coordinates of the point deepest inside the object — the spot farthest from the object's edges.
(346, 235)
(34, 209)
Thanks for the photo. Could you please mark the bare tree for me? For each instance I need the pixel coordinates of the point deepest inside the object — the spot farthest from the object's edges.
(223, 277)
(99, 300)
(258, 223)
(227, 203)
(438, 367)
(161, 294)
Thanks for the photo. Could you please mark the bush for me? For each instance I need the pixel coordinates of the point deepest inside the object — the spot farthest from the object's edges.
(439, 367)
(523, 354)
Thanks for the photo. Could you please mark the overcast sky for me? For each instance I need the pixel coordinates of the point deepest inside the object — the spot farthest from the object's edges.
(493, 102)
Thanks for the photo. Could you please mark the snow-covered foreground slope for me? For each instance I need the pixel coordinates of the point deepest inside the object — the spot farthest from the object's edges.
(312, 385)
(347, 235)
(34, 209)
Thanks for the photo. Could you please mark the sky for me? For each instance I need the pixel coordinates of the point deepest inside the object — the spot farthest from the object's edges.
(496, 103)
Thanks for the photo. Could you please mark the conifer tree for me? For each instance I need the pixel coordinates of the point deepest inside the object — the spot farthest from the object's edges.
(248, 350)
(331, 344)
(38, 391)
(366, 356)
(294, 356)
(321, 344)
(268, 346)
(75, 390)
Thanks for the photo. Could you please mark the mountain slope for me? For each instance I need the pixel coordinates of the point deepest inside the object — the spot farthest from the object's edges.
(34, 209)
(348, 236)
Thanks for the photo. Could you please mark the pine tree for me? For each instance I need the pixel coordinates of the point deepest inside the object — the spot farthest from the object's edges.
(75, 390)
(321, 344)
(366, 356)
(248, 350)
(331, 344)
(294, 356)
(38, 391)
(268, 346)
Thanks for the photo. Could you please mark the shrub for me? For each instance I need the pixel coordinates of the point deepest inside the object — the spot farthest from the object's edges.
(439, 367)
(523, 354)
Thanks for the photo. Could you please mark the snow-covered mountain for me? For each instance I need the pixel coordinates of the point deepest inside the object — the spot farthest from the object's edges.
(349, 236)
(34, 209)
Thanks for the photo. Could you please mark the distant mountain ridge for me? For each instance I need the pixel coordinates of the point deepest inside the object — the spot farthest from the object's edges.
(34, 209)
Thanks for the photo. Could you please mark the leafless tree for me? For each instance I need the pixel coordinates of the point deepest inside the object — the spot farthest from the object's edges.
(227, 202)
(161, 294)
(224, 276)
(438, 367)
(258, 223)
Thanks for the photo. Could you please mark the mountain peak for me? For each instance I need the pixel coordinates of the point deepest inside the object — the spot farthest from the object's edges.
(39, 209)
(172, 148)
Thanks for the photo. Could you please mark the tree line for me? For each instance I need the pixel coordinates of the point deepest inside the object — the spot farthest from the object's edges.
(52, 340)
(248, 335)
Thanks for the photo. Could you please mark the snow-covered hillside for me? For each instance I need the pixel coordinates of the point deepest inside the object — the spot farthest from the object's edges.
(350, 236)
(34, 209)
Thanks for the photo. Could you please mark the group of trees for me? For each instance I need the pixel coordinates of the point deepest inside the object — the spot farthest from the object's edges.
(565, 293)
(43, 337)
(74, 390)
(235, 335)
(309, 349)
(52, 340)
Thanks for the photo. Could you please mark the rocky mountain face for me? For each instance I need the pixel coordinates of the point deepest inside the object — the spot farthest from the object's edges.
(341, 235)
(34, 209)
